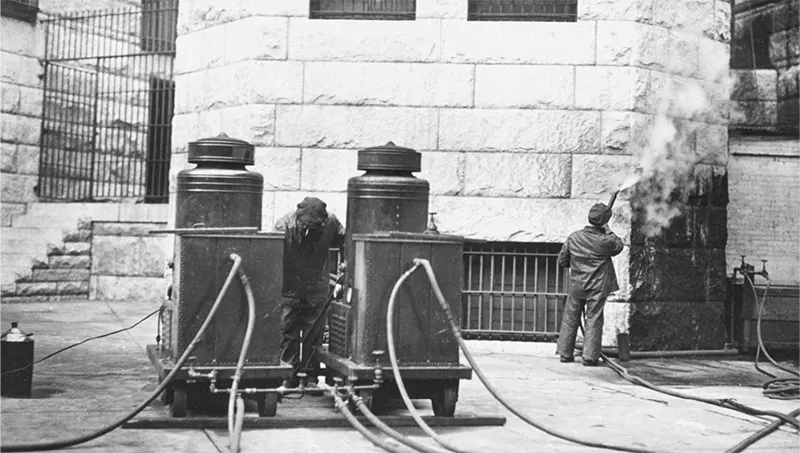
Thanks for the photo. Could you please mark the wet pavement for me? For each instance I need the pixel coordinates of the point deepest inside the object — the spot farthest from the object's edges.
(97, 383)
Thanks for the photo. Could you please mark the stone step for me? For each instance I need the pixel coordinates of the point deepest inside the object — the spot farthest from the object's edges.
(69, 262)
(67, 221)
(58, 275)
(69, 248)
(52, 288)
(10, 274)
(52, 234)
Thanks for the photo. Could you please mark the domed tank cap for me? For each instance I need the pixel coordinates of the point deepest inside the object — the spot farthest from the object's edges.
(221, 149)
(389, 157)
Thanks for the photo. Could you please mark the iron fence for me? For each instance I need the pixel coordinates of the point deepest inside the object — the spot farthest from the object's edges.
(512, 291)
(108, 104)
(523, 10)
(363, 9)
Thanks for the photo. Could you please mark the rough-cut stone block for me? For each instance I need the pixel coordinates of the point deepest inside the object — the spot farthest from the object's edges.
(684, 54)
(597, 176)
(788, 81)
(524, 86)
(755, 113)
(139, 289)
(712, 144)
(518, 42)
(548, 131)
(8, 157)
(152, 253)
(783, 46)
(112, 255)
(199, 50)
(20, 37)
(517, 175)
(69, 262)
(516, 219)
(626, 43)
(246, 82)
(755, 85)
(279, 166)
(27, 160)
(78, 236)
(719, 28)
(136, 229)
(9, 211)
(311, 126)
(442, 9)
(9, 96)
(193, 126)
(286, 202)
(625, 132)
(252, 123)
(602, 10)
(73, 288)
(403, 84)
(714, 62)
(328, 170)
(20, 69)
(364, 40)
(18, 188)
(687, 98)
(31, 100)
(201, 14)
(612, 88)
(444, 172)
(274, 8)
(37, 289)
(60, 275)
(678, 274)
(255, 38)
(677, 325)
(693, 16)
(20, 129)
(789, 112)
(8, 289)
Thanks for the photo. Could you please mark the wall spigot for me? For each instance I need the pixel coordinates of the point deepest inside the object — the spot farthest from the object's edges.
(764, 272)
(432, 229)
(378, 372)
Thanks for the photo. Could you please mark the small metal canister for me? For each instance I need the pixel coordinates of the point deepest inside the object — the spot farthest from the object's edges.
(16, 362)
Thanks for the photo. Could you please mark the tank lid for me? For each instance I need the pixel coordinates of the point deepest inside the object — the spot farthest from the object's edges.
(221, 149)
(389, 157)
(14, 335)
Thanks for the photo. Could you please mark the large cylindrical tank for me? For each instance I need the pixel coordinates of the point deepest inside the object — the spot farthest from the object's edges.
(220, 191)
(16, 361)
(387, 197)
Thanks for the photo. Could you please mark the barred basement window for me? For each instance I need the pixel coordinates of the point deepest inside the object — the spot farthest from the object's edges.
(363, 9)
(159, 25)
(523, 10)
(512, 291)
(24, 10)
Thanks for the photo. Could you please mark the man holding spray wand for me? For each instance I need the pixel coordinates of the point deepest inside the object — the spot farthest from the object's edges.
(587, 253)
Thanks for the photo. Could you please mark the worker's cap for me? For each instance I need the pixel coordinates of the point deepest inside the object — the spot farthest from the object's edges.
(312, 212)
(599, 215)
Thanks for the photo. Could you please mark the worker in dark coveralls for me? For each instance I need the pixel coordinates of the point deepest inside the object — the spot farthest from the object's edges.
(310, 232)
(587, 253)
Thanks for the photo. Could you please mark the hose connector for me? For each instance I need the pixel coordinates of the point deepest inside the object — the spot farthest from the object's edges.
(378, 372)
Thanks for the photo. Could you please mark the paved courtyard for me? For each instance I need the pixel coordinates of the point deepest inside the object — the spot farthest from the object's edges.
(90, 386)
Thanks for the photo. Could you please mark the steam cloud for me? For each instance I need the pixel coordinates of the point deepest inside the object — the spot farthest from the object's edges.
(665, 169)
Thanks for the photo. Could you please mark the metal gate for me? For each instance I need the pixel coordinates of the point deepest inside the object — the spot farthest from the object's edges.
(108, 104)
(513, 291)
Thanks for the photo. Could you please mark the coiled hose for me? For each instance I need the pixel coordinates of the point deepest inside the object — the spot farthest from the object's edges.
(454, 329)
(237, 261)
(342, 406)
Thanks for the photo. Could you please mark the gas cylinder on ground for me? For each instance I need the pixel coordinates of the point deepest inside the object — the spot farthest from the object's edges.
(220, 191)
(387, 197)
(16, 362)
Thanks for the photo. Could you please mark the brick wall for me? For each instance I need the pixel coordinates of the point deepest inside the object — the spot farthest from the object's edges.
(764, 211)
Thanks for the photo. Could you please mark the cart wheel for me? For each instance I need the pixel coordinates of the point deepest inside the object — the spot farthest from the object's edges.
(267, 404)
(445, 398)
(179, 401)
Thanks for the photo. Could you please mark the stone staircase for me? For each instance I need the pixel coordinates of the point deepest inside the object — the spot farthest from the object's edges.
(46, 253)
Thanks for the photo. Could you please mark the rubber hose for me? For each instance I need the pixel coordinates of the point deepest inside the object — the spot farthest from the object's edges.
(386, 429)
(237, 428)
(454, 329)
(396, 368)
(342, 406)
(248, 335)
(760, 434)
(79, 440)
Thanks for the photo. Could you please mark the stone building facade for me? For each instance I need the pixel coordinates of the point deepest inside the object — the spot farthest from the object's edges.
(522, 126)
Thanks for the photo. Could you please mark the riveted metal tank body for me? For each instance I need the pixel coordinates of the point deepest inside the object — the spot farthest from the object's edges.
(387, 197)
(16, 362)
(220, 191)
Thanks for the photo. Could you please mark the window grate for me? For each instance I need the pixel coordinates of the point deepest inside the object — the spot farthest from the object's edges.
(523, 10)
(512, 291)
(363, 9)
